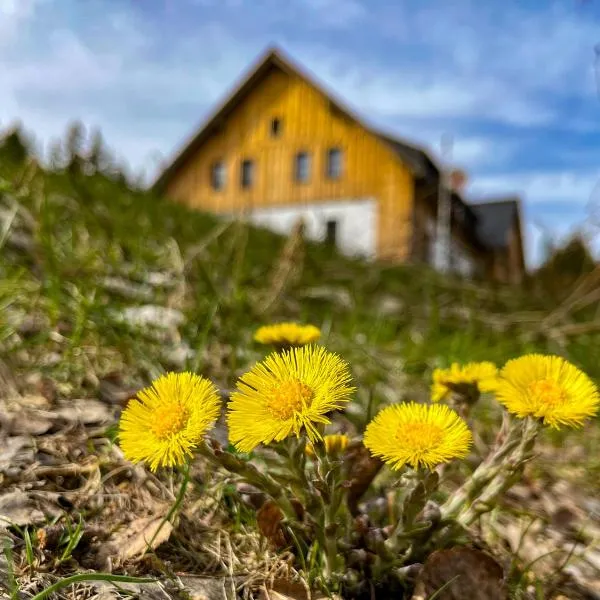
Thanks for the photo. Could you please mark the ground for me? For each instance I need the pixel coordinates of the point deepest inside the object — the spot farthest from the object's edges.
(103, 287)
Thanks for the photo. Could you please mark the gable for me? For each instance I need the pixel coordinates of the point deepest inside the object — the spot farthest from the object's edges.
(259, 92)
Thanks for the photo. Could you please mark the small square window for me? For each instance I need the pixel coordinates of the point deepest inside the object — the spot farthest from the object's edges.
(302, 166)
(217, 175)
(247, 173)
(334, 163)
(276, 127)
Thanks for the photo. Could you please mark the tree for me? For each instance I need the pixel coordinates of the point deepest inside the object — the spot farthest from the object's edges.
(74, 146)
(15, 145)
(98, 156)
(56, 155)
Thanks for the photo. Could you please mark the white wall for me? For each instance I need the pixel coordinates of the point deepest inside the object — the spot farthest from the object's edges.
(356, 222)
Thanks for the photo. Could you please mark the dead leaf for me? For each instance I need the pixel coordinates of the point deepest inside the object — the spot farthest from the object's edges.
(285, 589)
(133, 541)
(208, 588)
(15, 453)
(84, 411)
(361, 469)
(17, 508)
(465, 573)
(268, 519)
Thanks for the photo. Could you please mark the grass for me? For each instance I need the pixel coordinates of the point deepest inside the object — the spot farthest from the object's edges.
(81, 252)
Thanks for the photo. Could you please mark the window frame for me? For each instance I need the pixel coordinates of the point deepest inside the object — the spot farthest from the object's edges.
(297, 166)
(328, 163)
(275, 127)
(220, 163)
(247, 183)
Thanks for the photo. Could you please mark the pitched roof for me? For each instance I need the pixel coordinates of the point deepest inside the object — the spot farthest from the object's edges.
(419, 161)
(413, 156)
(495, 219)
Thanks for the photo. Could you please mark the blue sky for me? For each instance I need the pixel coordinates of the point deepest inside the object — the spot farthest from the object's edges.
(515, 83)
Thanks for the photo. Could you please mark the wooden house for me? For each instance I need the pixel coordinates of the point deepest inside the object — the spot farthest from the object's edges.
(280, 147)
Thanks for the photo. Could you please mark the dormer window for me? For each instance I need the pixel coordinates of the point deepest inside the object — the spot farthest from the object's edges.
(275, 127)
(217, 175)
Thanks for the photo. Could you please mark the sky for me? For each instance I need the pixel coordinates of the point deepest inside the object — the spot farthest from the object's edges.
(516, 84)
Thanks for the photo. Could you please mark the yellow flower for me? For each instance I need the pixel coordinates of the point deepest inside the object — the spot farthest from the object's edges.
(168, 419)
(334, 444)
(287, 334)
(285, 393)
(483, 375)
(548, 388)
(420, 435)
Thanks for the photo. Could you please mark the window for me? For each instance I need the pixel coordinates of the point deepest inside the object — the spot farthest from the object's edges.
(330, 232)
(334, 163)
(275, 127)
(302, 166)
(217, 175)
(247, 173)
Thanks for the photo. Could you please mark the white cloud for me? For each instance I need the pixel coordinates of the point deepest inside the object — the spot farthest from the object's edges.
(13, 15)
(578, 188)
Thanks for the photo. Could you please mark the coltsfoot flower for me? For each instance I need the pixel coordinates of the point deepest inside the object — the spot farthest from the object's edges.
(291, 334)
(168, 419)
(420, 435)
(482, 375)
(286, 393)
(548, 388)
(334, 444)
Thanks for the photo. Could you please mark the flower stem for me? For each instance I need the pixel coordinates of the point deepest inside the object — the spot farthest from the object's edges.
(248, 472)
(506, 478)
(496, 473)
(175, 507)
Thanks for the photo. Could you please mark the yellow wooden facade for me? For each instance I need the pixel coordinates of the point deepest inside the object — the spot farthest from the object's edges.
(309, 122)
(400, 178)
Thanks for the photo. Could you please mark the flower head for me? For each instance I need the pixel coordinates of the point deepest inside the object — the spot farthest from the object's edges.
(420, 435)
(334, 444)
(168, 419)
(548, 388)
(480, 376)
(290, 334)
(285, 393)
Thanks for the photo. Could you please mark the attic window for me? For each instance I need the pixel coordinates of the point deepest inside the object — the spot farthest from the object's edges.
(275, 127)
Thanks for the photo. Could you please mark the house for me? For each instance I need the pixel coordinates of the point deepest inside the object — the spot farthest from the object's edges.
(280, 147)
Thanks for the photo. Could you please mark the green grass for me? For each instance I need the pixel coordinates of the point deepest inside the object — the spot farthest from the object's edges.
(79, 250)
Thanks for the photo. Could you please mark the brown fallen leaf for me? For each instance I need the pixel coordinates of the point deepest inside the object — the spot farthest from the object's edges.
(133, 541)
(269, 518)
(285, 589)
(463, 573)
(18, 508)
(85, 410)
(15, 453)
(361, 468)
(27, 422)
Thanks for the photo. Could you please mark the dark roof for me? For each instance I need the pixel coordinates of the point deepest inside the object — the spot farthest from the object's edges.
(495, 219)
(416, 158)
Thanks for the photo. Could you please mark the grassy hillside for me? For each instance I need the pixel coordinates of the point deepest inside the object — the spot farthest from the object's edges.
(103, 287)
